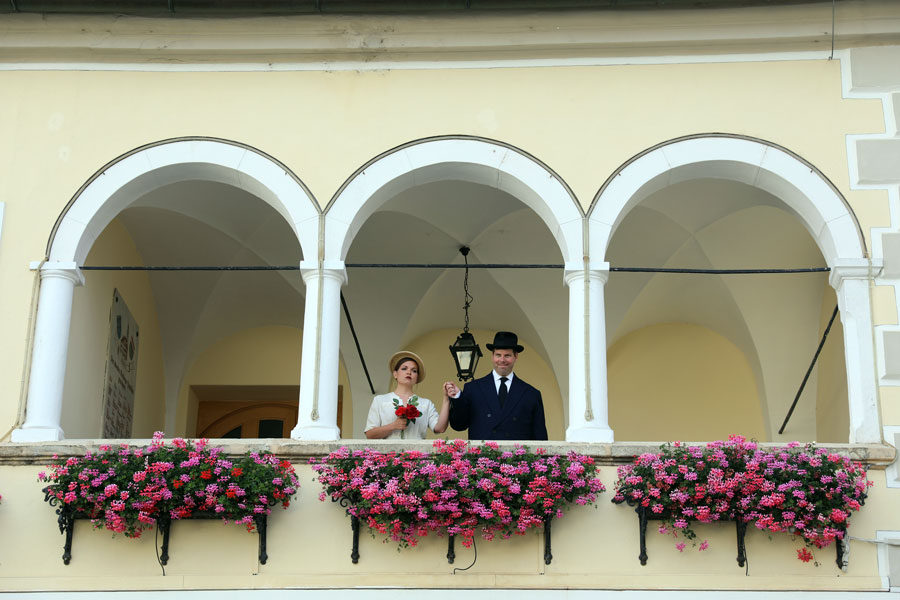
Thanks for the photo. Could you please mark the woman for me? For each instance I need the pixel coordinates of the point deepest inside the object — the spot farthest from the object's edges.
(383, 422)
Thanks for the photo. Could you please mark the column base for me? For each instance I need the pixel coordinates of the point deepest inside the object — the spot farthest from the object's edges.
(319, 434)
(603, 435)
(37, 434)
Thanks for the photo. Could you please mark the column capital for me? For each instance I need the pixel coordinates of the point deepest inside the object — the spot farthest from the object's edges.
(334, 269)
(854, 268)
(596, 270)
(62, 270)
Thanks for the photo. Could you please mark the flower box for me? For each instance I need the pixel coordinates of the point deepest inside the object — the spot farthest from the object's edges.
(457, 489)
(805, 491)
(130, 489)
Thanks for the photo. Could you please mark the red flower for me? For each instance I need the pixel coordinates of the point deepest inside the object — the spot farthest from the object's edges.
(207, 474)
(804, 555)
(237, 472)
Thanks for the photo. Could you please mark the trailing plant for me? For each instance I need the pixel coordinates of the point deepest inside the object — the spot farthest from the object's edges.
(462, 489)
(128, 489)
(802, 490)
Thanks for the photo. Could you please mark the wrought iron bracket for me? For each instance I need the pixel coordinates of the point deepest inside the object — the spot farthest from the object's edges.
(354, 551)
(345, 502)
(66, 520)
(644, 516)
(165, 528)
(548, 555)
(843, 554)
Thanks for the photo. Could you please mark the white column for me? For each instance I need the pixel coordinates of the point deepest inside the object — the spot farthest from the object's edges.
(588, 403)
(317, 416)
(48, 362)
(850, 279)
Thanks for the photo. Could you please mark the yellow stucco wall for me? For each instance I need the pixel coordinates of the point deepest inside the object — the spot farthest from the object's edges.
(832, 414)
(89, 339)
(583, 122)
(258, 356)
(309, 546)
(677, 381)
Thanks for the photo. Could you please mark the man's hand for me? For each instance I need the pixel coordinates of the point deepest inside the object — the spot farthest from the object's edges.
(450, 390)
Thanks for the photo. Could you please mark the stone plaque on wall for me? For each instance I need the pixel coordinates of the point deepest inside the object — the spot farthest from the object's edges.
(121, 371)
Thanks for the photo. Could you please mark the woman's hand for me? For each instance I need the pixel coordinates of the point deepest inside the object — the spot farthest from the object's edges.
(450, 390)
(379, 433)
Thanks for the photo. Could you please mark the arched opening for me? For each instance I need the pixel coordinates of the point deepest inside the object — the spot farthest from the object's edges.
(721, 202)
(420, 204)
(176, 203)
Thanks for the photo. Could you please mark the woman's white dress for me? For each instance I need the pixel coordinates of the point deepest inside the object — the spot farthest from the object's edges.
(382, 412)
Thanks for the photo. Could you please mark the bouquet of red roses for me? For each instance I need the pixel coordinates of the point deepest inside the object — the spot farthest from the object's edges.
(409, 411)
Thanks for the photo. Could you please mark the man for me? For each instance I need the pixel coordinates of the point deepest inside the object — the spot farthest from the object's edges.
(498, 406)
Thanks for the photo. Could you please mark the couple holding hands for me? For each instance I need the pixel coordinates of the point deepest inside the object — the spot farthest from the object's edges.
(498, 406)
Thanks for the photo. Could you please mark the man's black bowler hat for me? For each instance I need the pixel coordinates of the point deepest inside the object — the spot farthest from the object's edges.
(505, 340)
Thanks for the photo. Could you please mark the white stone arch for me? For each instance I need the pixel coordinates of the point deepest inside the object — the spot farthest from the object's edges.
(98, 201)
(806, 192)
(147, 168)
(475, 160)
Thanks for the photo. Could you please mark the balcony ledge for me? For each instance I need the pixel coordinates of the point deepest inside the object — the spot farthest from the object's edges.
(874, 455)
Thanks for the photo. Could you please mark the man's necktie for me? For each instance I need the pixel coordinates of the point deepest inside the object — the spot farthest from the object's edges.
(501, 394)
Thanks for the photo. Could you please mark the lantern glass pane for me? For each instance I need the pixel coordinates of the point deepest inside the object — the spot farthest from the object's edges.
(465, 359)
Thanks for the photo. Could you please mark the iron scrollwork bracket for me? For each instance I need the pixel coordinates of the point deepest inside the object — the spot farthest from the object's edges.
(262, 522)
(644, 516)
(346, 503)
(65, 518)
(164, 522)
(548, 554)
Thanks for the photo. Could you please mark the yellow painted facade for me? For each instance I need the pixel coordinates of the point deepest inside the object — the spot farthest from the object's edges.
(324, 105)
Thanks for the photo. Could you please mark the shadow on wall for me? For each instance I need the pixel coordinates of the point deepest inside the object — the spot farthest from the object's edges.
(677, 381)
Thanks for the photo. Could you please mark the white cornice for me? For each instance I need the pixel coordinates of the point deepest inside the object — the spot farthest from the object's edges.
(60, 39)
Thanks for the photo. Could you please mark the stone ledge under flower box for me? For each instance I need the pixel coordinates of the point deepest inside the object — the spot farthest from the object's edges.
(875, 456)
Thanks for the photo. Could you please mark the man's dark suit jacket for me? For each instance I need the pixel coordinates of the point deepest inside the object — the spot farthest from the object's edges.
(478, 410)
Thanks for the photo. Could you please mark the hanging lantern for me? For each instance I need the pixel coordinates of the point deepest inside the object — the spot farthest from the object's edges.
(465, 353)
(465, 349)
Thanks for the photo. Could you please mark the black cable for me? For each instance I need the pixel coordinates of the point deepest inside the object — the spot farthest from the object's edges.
(475, 548)
(718, 271)
(191, 268)
(463, 266)
(356, 341)
(809, 370)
